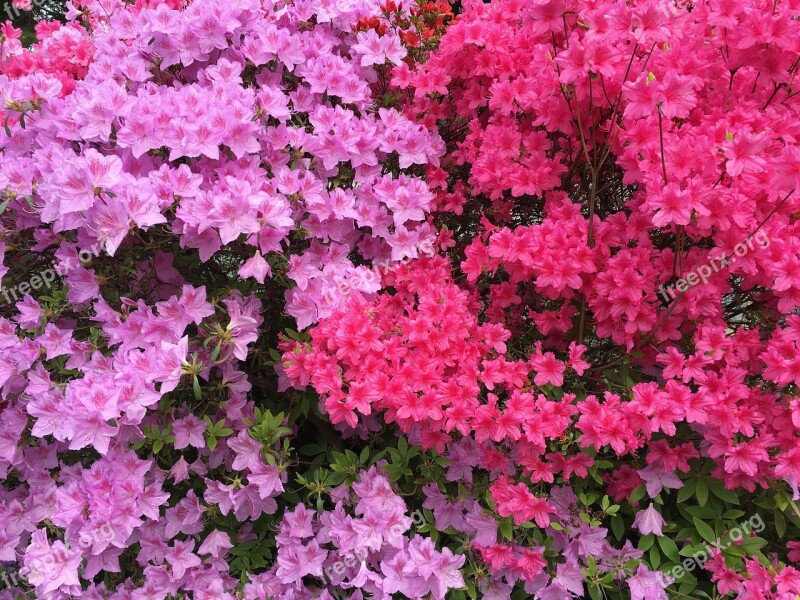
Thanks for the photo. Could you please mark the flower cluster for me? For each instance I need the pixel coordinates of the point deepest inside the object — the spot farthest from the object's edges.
(313, 268)
(60, 57)
(175, 169)
(231, 127)
(571, 195)
(362, 545)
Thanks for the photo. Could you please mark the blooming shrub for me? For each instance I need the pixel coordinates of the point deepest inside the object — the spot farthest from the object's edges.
(287, 136)
(357, 299)
(175, 180)
(619, 190)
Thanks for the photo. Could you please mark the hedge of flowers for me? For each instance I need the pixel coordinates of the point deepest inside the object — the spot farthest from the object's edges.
(405, 299)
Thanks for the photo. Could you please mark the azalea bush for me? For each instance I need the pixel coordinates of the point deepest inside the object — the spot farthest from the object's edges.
(605, 316)
(401, 300)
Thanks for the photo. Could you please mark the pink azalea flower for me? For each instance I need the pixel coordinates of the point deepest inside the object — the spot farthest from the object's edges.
(649, 521)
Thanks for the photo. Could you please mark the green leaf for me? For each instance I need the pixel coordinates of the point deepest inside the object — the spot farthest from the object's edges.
(751, 544)
(704, 529)
(687, 587)
(767, 502)
(735, 551)
(637, 494)
(646, 541)
(311, 450)
(595, 592)
(693, 549)
(733, 514)
(780, 523)
(506, 529)
(782, 500)
(701, 491)
(687, 491)
(701, 512)
(243, 548)
(669, 548)
(618, 527)
(688, 578)
(729, 496)
(655, 557)
(294, 335)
